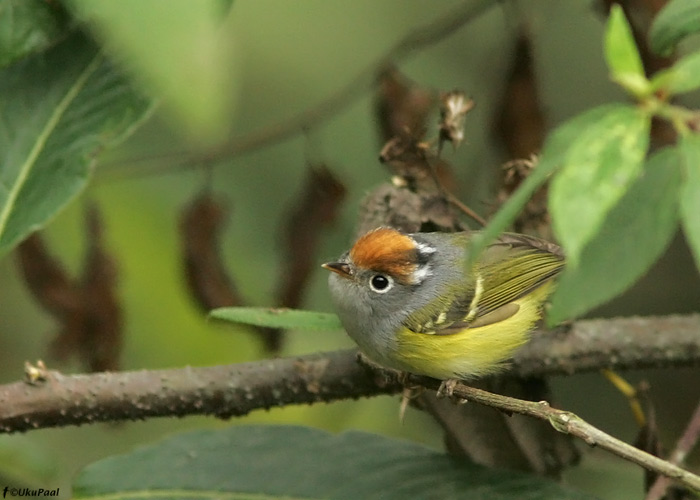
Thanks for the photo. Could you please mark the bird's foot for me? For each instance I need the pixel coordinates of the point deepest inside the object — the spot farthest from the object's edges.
(447, 388)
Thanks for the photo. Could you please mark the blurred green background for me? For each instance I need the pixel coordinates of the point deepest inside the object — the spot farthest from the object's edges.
(288, 56)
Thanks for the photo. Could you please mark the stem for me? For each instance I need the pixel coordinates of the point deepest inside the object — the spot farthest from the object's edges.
(569, 423)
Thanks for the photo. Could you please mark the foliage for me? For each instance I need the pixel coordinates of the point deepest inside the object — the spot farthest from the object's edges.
(278, 318)
(675, 22)
(53, 132)
(605, 171)
(597, 158)
(190, 66)
(645, 217)
(297, 462)
(597, 161)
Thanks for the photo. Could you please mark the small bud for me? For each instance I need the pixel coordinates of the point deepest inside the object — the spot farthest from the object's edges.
(35, 373)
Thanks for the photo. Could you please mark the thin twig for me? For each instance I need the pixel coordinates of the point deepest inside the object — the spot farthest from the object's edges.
(430, 33)
(630, 392)
(464, 208)
(569, 423)
(685, 444)
(449, 196)
(431, 167)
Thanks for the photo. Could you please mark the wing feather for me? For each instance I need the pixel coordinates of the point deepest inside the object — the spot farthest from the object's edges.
(511, 268)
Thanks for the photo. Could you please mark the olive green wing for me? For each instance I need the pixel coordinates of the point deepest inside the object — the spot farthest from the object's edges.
(512, 267)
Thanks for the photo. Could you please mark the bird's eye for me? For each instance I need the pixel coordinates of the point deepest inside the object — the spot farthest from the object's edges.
(380, 283)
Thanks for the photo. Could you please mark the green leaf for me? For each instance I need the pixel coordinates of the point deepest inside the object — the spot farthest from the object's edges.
(683, 76)
(599, 166)
(552, 157)
(179, 50)
(278, 318)
(632, 237)
(690, 192)
(28, 26)
(621, 54)
(678, 19)
(60, 108)
(284, 462)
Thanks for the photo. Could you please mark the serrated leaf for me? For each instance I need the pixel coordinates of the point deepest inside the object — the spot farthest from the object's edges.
(599, 166)
(278, 318)
(622, 55)
(690, 193)
(632, 237)
(552, 157)
(28, 26)
(59, 109)
(683, 76)
(286, 462)
(179, 50)
(678, 19)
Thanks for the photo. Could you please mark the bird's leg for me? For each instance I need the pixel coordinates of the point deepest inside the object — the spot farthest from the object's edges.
(409, 393)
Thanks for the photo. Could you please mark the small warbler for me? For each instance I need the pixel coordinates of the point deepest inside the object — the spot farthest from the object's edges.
(411, 304)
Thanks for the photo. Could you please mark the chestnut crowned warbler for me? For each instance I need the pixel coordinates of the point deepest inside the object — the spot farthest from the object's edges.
(410, 303)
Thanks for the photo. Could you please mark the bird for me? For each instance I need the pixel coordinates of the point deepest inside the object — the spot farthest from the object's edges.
(411, 303)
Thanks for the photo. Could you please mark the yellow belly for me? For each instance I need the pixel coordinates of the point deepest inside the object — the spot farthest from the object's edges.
(472, 352)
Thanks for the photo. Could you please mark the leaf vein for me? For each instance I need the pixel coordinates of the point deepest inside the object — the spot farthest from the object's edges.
(43, 137)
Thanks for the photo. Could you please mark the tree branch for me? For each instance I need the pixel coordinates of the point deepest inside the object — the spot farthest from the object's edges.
(51, 399)
(427, 34)
(620, 343)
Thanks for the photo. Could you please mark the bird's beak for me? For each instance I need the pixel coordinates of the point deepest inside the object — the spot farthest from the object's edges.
(341, 268)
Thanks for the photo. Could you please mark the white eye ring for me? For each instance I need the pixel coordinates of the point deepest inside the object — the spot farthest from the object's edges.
(381, 283)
